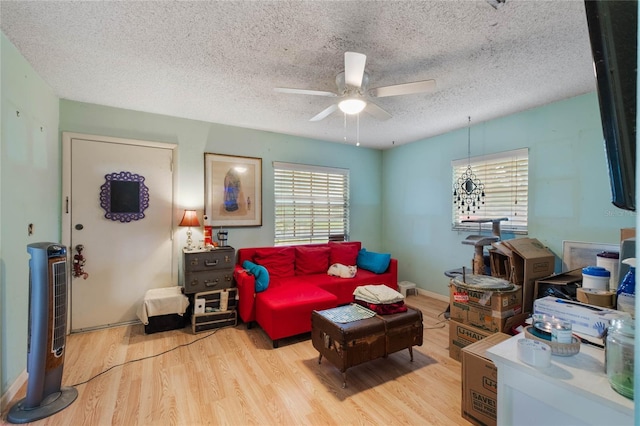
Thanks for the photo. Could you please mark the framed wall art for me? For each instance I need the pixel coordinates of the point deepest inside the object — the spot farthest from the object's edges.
(576, 254)
(232, 190)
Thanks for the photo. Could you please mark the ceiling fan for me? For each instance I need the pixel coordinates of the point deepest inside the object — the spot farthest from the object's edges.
(353, 89)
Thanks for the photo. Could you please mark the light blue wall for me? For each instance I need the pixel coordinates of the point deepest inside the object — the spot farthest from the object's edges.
(401, 198)
(569, 195)
(31, 176)
(195, 138)
(30, 187)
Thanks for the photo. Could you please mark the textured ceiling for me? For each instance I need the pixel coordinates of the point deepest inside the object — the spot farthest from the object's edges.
(220, 61)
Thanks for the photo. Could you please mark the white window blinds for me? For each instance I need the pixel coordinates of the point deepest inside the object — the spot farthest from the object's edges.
(505, 177)
(311, 203)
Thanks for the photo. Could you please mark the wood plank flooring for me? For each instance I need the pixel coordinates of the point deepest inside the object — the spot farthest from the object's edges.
(234, 377)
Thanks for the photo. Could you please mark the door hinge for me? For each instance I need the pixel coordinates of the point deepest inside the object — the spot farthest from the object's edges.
(66, 204)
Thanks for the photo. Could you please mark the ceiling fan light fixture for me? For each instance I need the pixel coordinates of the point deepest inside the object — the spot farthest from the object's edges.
(352, 105)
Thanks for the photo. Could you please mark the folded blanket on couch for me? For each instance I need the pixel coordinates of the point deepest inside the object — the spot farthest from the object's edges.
(377, 294)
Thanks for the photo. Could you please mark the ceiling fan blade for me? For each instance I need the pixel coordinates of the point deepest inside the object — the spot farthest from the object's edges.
(305, 92)
(376, 111)
(325, 113)
(403, 89)
(354, 68)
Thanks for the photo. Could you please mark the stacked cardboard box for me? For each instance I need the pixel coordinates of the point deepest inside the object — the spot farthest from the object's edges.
(461, 336)
(521, 261)
(565, 283)
(487, 310)
(476, 314)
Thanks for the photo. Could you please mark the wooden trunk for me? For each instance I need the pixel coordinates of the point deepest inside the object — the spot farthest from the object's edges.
(346, 345)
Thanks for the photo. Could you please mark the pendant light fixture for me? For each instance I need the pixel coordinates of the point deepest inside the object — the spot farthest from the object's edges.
(468, 191)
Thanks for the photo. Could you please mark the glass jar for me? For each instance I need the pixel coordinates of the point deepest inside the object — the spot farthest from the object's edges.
(619, 355)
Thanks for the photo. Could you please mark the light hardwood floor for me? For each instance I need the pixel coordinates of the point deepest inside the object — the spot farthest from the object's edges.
(235, 377)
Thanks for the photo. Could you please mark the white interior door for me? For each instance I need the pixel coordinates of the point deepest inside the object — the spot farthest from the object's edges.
(127, 244)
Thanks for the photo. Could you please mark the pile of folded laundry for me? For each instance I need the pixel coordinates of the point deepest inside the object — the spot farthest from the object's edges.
(381, 299)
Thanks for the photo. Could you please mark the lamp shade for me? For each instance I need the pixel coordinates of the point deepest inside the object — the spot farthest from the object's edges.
(352, 105)
(190, 218)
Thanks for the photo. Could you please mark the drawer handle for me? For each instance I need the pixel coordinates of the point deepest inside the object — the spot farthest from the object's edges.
(213, 283)
(207, 283)
(210, 263)
(227, 277)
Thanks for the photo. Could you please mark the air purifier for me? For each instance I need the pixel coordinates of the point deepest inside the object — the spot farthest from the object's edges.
(47, 334)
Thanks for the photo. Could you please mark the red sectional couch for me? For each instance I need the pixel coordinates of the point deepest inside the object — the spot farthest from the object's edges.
(299, 284)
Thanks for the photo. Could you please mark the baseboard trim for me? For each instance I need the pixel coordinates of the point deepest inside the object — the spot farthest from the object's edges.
(432, 294)
(13, 390)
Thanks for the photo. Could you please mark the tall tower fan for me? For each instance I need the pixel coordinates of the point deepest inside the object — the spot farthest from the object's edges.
(47, 333)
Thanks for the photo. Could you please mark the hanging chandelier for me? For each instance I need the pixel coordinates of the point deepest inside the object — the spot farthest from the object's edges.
(468, 191)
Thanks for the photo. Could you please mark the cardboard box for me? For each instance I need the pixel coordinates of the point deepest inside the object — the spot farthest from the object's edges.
(626, 233)
(480, 382)
(585, 319)
(462, 335)
(564, 282)
(488, 310)
(499, 263)
(528, 259)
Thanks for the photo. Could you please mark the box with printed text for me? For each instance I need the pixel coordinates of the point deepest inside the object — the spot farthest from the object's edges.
(587, 319)
(485, 309)
(479, 403)
(525, 260)
(462, 335)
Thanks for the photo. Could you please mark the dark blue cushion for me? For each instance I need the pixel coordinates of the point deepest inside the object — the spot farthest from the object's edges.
(260, 273)
(374, 262)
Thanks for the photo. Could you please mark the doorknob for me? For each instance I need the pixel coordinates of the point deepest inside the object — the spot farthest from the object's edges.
(79, 227)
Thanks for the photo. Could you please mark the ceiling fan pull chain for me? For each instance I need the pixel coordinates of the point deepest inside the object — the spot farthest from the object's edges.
(357, 129)
(345, 126)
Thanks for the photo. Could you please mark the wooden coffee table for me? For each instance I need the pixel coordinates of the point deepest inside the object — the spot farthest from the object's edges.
(347, 344)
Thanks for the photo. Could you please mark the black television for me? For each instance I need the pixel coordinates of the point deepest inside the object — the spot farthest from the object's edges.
(613, 35)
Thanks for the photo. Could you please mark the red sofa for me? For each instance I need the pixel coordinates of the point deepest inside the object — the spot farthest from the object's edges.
(299, 284)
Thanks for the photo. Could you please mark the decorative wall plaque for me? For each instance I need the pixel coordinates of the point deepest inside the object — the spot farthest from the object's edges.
(124, 196)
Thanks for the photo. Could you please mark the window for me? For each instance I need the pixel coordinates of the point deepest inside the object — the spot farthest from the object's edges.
(505, 176)
(311, 203)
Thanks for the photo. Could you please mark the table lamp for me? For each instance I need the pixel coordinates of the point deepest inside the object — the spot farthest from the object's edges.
(189, 219)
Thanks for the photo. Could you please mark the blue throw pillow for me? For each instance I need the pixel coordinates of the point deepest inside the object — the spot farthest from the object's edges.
(374, 262)
(260, 273)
